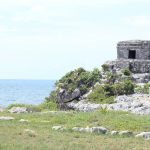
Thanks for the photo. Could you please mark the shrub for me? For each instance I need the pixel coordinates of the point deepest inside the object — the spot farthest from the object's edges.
(107, 92)
(79, 78)
(126, 72)
(128, 87)
(94, 76)
(48, 105)
(109, 89)
(99, 95)
(146, 88)
(83, 89)
(105, 67)
(139, 89)
(118, 88)
(111, 77)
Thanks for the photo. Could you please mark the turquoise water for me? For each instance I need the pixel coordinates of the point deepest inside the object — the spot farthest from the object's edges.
(24, 91)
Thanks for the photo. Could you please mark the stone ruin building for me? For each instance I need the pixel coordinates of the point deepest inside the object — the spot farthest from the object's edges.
(135, 55)
(133, 50)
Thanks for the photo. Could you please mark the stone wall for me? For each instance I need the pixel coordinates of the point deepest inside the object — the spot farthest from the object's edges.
(142, 49)
(135, 66)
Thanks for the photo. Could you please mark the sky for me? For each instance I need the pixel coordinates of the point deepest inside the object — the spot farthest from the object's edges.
(44, 39)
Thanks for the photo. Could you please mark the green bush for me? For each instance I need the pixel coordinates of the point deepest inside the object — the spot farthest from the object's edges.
(105, 67)
(94, 76)
(126, 72)
(128, 87)
(118, 88)
(106, 93)
(111, 77)
(48, 106)
(139, 89)
(79, 78)
(146, 88)
(125, 87)
(99, 95)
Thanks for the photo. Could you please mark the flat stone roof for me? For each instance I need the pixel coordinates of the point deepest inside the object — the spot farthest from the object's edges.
(134, 41)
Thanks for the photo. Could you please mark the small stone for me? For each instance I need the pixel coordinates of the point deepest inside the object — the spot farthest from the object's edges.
(88, 130)
(29, 132)
(23, 120)
(99, 130)
(18, 110)
(114, 132)
(6, 118)
(145, 135)
(125, 133)
(56, 128)
(78, 129)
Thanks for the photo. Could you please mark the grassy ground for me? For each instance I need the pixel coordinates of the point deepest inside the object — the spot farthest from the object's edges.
(13, 137)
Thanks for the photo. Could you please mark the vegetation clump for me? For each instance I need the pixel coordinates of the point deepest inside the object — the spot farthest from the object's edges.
(100, 95)
(105, 67)
(80, 78)
(126, 72)
(107, 92)
(143, 89)
(110, 84)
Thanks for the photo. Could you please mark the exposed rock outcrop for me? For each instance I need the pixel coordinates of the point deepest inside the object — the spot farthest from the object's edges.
(145, 135)
(18, 110)
(136, 103)
(83, 106)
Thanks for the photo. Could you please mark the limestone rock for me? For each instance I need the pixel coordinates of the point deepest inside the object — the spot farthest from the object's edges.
(6, 118)
(114, 132)
(83, 106)
(145, 135)
(123, 98)
(57, 128)
(30, 133)
(87, 94)
(78, 129)
(62, 98)
(76, 94)
(18, 110)
(23, 120)
(125, 133)
(99, 130)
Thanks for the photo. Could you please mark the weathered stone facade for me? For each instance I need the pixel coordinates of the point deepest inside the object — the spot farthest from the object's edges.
(135, 55)
(135, 66)
(133, 49)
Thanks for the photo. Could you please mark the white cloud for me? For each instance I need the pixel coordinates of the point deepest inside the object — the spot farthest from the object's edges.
(138, 21)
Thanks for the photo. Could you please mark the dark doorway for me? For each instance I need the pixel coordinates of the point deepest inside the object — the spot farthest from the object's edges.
(132, 54)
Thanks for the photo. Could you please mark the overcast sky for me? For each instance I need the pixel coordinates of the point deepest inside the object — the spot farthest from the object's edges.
(44, 39)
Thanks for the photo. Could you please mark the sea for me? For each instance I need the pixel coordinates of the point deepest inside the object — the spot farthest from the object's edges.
(24, 91)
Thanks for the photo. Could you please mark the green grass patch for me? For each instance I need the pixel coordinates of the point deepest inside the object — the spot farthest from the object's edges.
(12, 134)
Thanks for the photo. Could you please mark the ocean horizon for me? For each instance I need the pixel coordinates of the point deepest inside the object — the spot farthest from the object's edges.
(24, 91)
